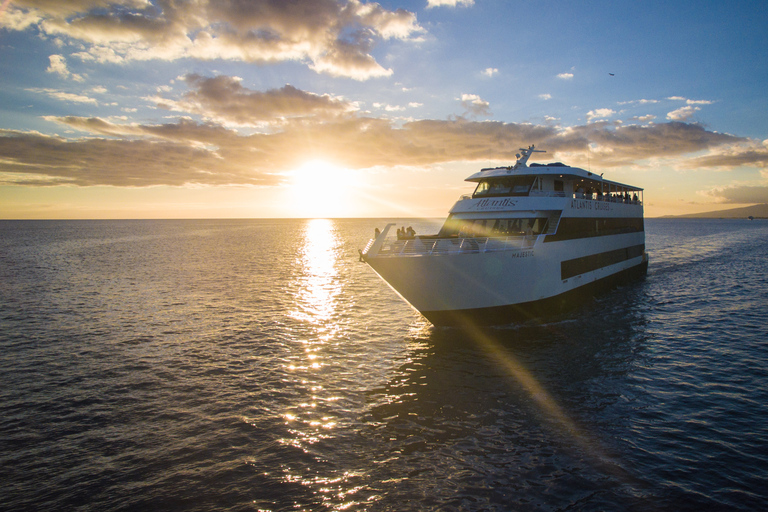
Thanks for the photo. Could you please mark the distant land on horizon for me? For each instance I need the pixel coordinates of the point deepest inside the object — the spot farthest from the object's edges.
(758, 211)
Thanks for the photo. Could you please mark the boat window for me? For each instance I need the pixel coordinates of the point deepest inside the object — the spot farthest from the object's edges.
(513, 186)
(522, 185)
(482, 228)
(492, 188)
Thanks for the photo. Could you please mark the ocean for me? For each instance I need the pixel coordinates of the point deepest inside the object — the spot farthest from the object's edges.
(257, 365)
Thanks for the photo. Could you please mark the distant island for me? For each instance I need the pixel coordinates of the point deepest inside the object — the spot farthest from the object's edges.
(758, 211)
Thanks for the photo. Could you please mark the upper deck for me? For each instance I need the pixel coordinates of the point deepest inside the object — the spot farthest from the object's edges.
(549, 180)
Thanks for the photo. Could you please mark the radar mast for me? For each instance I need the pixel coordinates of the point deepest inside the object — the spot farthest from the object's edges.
(522, 160)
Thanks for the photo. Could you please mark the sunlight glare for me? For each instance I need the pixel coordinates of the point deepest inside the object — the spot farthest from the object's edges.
(320, 284)
(321, 189)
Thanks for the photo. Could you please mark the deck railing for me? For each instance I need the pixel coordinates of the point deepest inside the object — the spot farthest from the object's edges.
(607, 198)
(434, 246)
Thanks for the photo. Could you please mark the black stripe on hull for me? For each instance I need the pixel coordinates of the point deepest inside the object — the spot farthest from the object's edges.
(549, 307)
(578, 266)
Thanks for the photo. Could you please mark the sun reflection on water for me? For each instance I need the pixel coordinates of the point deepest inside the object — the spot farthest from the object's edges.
(313, 418)
(320, 284)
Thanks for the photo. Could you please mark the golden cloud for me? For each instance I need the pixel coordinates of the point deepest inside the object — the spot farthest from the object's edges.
(189, 152)
(328, 35)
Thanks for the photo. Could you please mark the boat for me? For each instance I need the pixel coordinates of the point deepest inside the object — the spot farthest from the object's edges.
(531, 241)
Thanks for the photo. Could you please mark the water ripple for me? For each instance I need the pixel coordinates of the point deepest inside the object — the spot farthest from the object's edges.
(257, 365)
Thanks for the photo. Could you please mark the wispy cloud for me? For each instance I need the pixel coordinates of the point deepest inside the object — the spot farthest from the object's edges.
(490, 72)
(690, 101)
(565, 76)
(474, 105)
(638, 102)
(600, 113)
(59, 66)
(64, 96)
(449, 3)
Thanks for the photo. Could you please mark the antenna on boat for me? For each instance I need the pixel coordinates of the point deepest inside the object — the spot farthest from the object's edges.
(521, 161)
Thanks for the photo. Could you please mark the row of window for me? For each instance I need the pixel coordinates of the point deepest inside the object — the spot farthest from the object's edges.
(511, 186)
(586, 264)
(482, 228)
(572, 228)
(568, 229)
(523, 185)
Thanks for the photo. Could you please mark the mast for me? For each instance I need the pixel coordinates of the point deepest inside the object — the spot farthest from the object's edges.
(521, 161)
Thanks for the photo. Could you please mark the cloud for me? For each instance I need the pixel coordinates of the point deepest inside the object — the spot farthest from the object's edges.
(225, 100)
(744, 154)
(565, 76)
(59, 66)
(690, 102)
(490, 72)
(64, 96)
(474, 105)
(739, 194)
(638, 102)
(682, 113)
(35, 160)
(545, 96)
(599, 113)
(206, 153)
(632, 143)
(294, 126)
(449, 3)
(329, 36)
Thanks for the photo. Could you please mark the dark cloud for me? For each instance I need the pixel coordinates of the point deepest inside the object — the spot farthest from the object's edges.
(757, 157)
(35, 159)
(224, 99)
(624, 145)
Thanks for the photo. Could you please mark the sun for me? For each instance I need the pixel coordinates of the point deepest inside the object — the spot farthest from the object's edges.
(322, 189)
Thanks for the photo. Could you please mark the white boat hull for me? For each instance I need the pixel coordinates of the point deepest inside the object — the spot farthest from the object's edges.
(502, 286)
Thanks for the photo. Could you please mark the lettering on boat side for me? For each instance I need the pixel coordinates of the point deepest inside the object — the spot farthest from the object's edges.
(493, 204)
(521, 254)
(583, 204)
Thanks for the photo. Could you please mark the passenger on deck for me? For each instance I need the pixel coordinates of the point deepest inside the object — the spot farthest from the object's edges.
(411, 233)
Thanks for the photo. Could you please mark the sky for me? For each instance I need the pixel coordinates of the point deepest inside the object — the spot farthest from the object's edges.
(335, 108)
